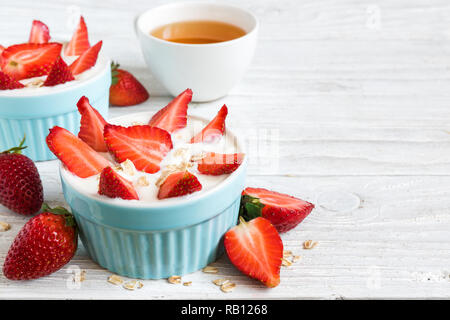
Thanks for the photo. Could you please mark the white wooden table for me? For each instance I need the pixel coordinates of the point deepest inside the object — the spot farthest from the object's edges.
(342, 96)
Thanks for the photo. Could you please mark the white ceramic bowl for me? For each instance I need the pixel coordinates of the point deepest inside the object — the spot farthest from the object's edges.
(210, 70)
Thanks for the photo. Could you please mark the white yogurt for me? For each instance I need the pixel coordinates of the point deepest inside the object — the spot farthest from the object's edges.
(181, 152)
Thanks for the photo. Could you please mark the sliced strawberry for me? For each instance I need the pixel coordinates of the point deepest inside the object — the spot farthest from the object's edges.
(79, 42)
(91, 126)
(113, 185)
(29, 60)
(214, 129)
(125, 89)
(2, 48)
(216, 164)
(256, 249)
(8, 83)
(60, 73)
(145, 146)
(39, 32)
(284, 211)
(173, 116)
(79, 158)
(179, 184)
(87, 60)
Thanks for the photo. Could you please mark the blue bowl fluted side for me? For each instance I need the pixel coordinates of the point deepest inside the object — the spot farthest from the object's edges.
(148, 241)
(34, 115)
(153, 254)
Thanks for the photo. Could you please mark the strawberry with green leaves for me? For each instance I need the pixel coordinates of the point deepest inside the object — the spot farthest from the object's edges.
(125, 89)
(20, 184)
(283, 211)
(44, 245)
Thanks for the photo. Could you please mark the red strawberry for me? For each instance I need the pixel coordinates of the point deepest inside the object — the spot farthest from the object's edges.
(77, 155)
(8, 83)
(125, 89)
(145, 146)
(29, 60)
(20, 183)
(39, 32)
(79, 42)
(256, 249)
(284, 211)
(173, 116)
(179, 184)
(216, 164)
(87, 60)
(113, 185)
(214, 129)
(2, 48)
(60, 73)
(92, 125)
(44, 245)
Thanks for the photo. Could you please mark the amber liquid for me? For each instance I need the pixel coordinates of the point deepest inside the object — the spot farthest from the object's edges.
(198, 32)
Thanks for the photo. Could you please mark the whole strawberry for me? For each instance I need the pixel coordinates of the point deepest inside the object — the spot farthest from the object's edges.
(20, 185)
(125, 89)
(44, 245)
(283, 211)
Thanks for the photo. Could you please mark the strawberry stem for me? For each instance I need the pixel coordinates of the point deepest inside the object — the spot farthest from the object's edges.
(114, 72)
(17, 149)
(250, 207)
(70, 221)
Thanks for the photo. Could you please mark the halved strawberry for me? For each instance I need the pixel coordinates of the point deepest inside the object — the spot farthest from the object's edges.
(173, 116)
(256, 249)
(92, 125)
(79, 158)
(284, 211)
(179, 184)
(8, 83)
(214, 129)
(145, 146)
(39, 32)
(80, 40)
(216, 164)
(87, 60)
(60, 73)
(113, 185)
(29, 60)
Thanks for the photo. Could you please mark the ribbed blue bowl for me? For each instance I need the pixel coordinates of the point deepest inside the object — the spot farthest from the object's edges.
(33, 114)
(156, 240)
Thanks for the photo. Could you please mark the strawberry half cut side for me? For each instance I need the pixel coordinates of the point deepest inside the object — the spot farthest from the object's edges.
(8, 83)
(216, 164)
(87, 60)
(215, 129)
(60, 73)
(173, 116)
(143, 145)
(39, 32)
(92, 125)
(80, 40)
(256, 249)
(284, 211)
(77, 155)
(28, 60)
(113, 185)
(179, 184)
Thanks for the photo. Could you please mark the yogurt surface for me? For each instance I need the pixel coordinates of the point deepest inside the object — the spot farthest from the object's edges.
(145, 183)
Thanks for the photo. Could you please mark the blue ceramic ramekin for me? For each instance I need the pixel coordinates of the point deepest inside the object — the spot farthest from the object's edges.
(33, 113)
(156, 240)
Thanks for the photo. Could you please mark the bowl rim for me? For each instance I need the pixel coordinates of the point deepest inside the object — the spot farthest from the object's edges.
(13, 94)
(137, 204)
(147, 34)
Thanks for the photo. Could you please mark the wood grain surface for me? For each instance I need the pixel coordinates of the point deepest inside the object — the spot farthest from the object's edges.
(345, 98)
